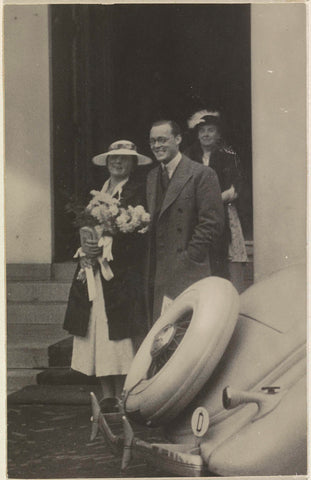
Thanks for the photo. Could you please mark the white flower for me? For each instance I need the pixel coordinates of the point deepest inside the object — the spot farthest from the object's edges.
(122, 219)
(144, 230)
(96, 212)
(114, 210)
(94, 193)
(112, 218)
(139, 210)
(146, 217)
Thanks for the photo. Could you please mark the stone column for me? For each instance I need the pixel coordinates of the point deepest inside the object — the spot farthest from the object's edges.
(279, 135)
(27, 134)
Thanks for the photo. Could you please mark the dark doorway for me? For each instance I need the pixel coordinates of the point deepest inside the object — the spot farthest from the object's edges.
(117, 68)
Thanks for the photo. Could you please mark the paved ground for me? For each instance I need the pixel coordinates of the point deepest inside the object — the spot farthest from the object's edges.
(52, 441)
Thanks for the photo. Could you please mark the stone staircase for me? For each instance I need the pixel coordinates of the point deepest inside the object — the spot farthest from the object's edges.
(35, 313)
(36, 303)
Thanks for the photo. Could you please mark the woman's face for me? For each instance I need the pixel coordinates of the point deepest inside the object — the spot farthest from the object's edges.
(208, 135)
(120, 166)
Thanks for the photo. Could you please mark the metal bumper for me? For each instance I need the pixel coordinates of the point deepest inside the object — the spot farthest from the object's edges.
(178, 459)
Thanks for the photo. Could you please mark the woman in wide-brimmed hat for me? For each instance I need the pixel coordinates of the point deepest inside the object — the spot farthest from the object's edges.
(105, 327)
(210, 149)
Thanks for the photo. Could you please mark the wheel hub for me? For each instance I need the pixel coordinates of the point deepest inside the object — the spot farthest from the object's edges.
(162, 339)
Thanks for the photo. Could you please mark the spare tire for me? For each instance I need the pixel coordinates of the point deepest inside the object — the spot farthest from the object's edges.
(181, 351)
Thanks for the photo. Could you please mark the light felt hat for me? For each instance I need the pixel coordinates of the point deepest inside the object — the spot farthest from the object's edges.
(121, 147)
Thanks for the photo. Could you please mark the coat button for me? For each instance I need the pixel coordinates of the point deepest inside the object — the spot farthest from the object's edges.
(180, 210)
(179, 229)
(179, 250)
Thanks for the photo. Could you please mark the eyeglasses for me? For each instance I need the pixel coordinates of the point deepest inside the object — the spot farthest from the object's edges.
(159, 140)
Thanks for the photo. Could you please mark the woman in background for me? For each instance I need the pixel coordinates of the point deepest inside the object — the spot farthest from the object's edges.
(104, 329)
(210, 149)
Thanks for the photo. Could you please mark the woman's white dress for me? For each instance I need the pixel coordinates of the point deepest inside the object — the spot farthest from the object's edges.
(96, 354)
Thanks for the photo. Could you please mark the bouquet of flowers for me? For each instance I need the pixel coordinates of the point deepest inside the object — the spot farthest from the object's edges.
(112, 218)
(104, 218)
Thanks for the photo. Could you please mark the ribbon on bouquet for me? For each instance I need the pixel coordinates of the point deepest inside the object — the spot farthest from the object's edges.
(103, 259)
(90, 280)
(106, 256)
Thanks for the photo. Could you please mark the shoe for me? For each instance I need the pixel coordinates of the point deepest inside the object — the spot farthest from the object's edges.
(109, 405)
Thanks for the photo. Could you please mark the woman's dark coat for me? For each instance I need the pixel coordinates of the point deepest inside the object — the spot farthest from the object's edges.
(124, 299)
(226, 164)
(224, 161)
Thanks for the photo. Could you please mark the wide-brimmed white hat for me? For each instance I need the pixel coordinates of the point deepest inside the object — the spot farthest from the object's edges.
(121, 147)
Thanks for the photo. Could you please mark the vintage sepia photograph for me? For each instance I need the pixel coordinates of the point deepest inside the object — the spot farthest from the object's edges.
(155, 185)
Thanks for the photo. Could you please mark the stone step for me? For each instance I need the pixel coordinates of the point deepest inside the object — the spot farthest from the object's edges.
(27, 271)
(57, 394)
(20, 378)
(27, 345)
(36, 313)
(39, 291)
(64, 376)
(63, 271)
(60, 353)
(34, 356)
(41, 271)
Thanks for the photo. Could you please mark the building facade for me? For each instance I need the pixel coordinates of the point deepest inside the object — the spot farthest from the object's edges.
(278, 138)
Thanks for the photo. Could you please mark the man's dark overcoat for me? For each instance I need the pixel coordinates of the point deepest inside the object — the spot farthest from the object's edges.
(189, 221)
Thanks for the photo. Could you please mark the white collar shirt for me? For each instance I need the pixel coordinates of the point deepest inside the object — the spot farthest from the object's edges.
(206, 158)
(172, 165)
(117, 189)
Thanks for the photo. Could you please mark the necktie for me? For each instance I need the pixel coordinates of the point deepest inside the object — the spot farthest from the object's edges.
(165, 180)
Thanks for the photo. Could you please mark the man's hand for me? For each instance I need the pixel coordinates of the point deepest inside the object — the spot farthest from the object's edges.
(91, 248)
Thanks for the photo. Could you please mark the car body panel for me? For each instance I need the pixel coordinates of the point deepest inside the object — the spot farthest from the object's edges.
(265, 431)
(256, 349)
(274, 445)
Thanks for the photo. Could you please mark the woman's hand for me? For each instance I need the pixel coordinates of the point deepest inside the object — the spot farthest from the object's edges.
(229, 195)
(85, 262)
(91, 248)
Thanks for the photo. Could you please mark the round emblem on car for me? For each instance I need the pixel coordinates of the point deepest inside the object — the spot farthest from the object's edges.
(200, 421)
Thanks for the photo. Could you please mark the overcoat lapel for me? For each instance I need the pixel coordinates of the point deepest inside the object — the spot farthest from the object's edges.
(151, 190)
(178, 180)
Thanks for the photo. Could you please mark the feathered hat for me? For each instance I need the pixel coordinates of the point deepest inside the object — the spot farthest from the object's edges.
(203, 116)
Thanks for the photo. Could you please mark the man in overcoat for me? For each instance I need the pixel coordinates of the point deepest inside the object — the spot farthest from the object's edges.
(187, 217)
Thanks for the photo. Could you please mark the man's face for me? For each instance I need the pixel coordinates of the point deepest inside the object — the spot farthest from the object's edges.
(163, 143)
